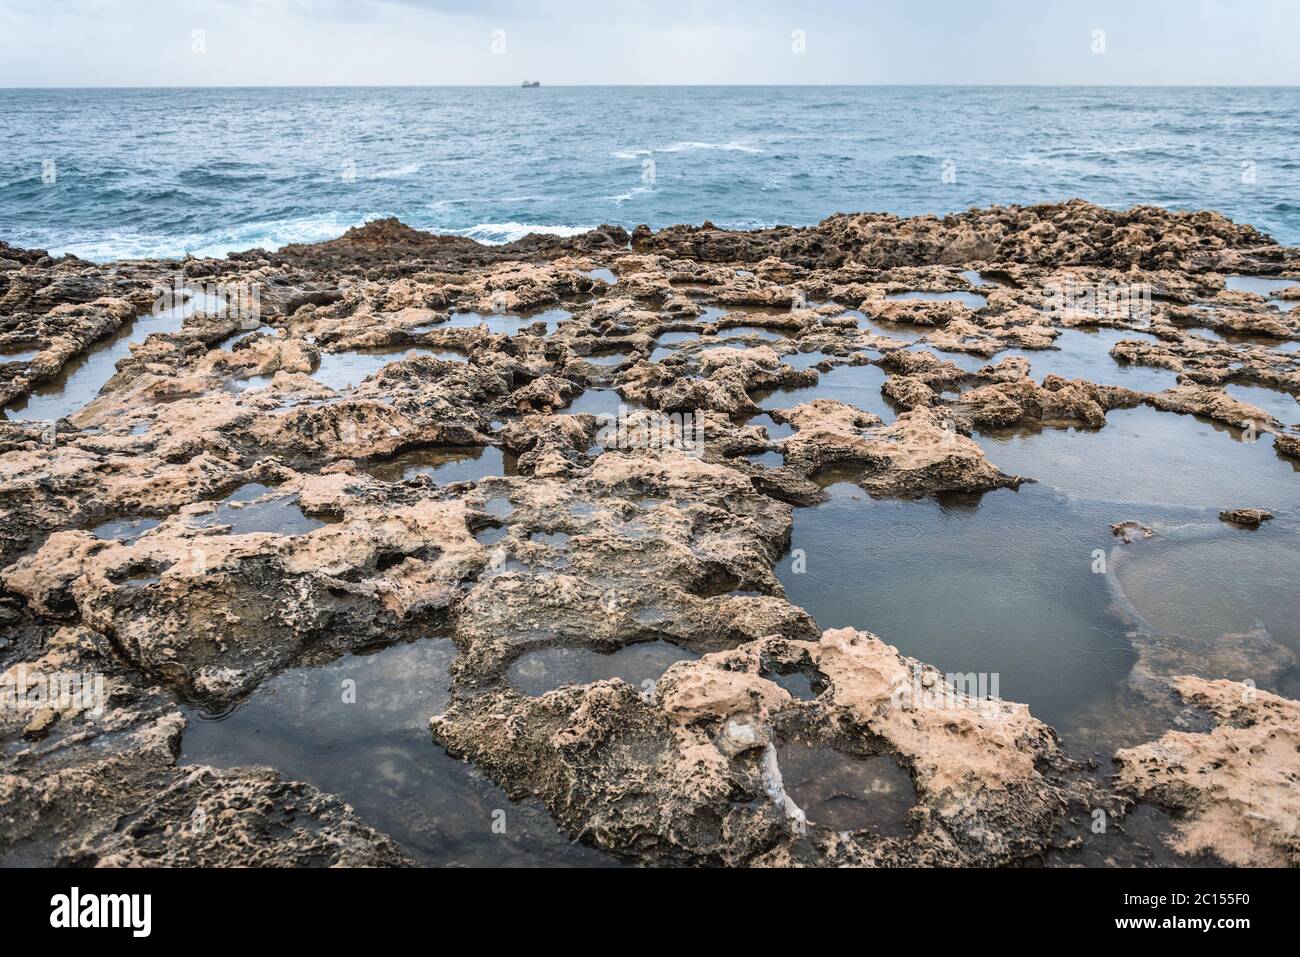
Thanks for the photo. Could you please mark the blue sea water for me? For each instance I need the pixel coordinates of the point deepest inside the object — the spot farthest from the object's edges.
(164, 172)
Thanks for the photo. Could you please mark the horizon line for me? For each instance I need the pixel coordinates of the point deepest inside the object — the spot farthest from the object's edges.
(696, 86)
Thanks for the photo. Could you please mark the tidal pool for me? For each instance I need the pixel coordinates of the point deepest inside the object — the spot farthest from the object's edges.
(1264, 287)
(1211, 580)
(804, 360)
(18, 355)
(857, 385)
(894, 330)
(971, 300)
(1282, 406)
(775, 430)
(599, 402)
(125, 530)
(844, 792)
(1145, 456)
(359, 728)
(640, 665)
(503, 323)
(1085, 354)
(1002, 585)
(82, 378)
(444, 464)
(256, 508)
(347, 370)
(769, 460)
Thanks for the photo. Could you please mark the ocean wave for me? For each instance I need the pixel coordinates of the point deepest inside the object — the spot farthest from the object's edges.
(267, 235)
(409, 169)
(692, 145)
(622, 198)
(496, 234)
(685, 146)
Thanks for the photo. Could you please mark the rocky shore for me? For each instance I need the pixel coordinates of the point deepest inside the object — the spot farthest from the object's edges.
(223, 508)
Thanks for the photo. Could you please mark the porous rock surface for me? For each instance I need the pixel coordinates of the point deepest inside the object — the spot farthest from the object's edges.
(202, 432)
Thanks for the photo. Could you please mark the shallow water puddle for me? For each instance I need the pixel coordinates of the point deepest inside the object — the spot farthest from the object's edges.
(640, 665)
(842, 792)
(857, 385)
(491, 535)
(761, 332)
(667, 343)
(1140, 839)
(676, 338)
(971, 300)
(775, 430)
(1001, 585)
(599, 402)
(502, 324)
(235, 338)
(256, 508)
(1212, 580)
(553, 539)
(611, 360)
(1085, 354)
(81, 379)
(800, 686)
(125, 530)
(499, 507)
(376, 754)
(893, 330)
(347, 370)
(769, 460)
(1259, 285)
(1147, 456)
(444, 464)
(19, 355)
(805, 360)
(1282, 406)
(1263, 287)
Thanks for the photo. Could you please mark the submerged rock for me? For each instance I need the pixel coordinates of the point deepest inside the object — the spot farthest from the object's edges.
(1248, 517)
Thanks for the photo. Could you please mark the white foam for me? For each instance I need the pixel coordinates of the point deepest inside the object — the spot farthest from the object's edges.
(268, 235)
(686, 146)
(622, 198)
(402, 171)
(693, 145)
(496, 234)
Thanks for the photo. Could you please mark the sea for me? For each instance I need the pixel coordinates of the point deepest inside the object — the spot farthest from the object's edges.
(123, 173)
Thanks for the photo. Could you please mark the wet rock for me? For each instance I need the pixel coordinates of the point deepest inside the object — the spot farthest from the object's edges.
(1130, 531)
(689, 772)
(1056, 402)
(1246, 517)
(1234, 787)
(228, 507)
(1213, 404)
(1287, 444)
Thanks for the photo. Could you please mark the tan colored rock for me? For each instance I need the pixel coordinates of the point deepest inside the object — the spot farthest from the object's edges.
(1236, 786)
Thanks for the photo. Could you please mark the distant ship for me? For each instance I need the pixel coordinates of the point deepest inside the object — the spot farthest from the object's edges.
(529, 86)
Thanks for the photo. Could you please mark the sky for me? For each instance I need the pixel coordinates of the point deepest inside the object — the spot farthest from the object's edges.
(473, 42)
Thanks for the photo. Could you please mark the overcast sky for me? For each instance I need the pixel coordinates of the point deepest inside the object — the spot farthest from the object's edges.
(362, 42)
